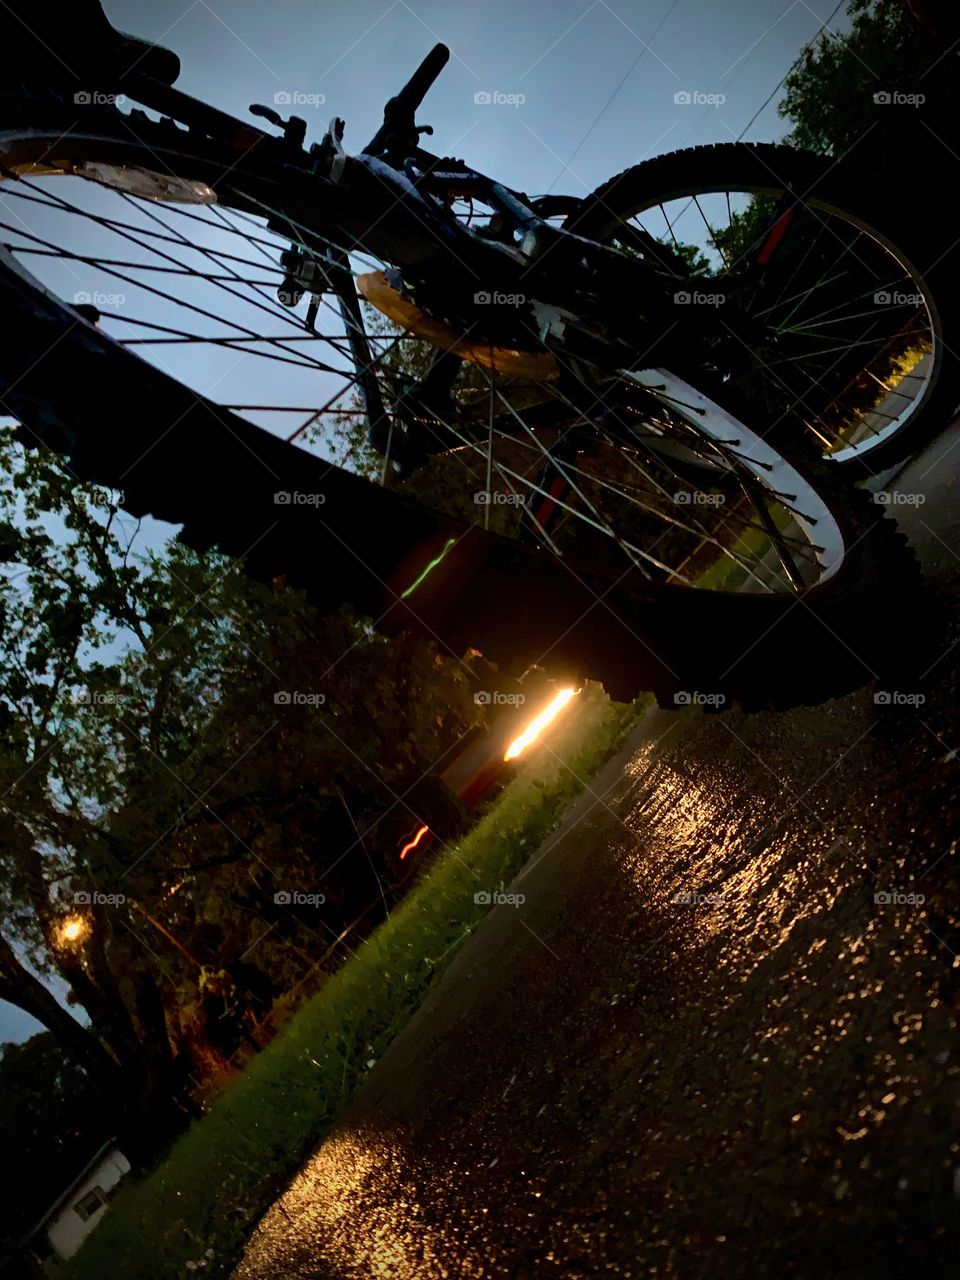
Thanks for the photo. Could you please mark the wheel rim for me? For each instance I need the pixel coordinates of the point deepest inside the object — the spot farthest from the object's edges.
(854, 409)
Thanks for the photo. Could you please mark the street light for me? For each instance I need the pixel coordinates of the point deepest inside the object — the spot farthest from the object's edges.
(74, 928)
(539, 723)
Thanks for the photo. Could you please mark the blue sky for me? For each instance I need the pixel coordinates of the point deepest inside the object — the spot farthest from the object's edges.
(565, 58)
(553, 68)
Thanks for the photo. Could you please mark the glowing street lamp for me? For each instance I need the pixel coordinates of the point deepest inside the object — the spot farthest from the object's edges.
(74, 928)
(539, 723)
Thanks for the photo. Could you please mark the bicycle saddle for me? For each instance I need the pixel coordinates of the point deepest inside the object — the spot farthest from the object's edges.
(78, 45)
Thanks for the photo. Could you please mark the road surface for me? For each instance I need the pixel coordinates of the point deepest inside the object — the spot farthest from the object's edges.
(719, 1037)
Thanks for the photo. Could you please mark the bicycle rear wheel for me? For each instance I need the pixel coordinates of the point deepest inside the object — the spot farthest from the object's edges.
(851, 289)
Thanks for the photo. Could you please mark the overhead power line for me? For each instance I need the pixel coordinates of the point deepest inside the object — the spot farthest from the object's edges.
(609, 102)
(809, 45)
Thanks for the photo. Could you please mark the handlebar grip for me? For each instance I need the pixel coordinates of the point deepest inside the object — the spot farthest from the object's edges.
(400, 112)
(416, 88)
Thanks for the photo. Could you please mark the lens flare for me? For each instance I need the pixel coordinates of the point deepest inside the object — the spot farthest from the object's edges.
(537, 725)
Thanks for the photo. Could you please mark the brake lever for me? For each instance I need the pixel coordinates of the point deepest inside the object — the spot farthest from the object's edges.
(294, 129)
(329, 156)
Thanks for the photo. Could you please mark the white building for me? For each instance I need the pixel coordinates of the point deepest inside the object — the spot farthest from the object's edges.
(78, 1210)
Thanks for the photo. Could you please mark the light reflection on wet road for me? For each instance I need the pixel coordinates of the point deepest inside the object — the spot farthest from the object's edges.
(718, 1039)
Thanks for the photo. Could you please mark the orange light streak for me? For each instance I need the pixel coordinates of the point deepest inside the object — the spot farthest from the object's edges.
(413, 843)
(537, 725)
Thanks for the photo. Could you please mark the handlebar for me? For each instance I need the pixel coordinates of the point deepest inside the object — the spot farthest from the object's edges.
(398, 115)
(417, 87)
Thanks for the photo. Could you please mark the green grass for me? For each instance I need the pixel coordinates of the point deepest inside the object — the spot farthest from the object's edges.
(221, 1175)
(727, 574)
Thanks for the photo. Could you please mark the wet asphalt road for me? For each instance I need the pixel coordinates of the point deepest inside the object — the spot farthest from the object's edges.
(760, 1080)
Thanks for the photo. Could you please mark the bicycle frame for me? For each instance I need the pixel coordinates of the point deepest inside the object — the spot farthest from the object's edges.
(589, 302)
(393, 213)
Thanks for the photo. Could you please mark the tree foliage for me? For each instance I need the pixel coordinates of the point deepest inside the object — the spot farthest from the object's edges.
(831, 95)
(210, 777)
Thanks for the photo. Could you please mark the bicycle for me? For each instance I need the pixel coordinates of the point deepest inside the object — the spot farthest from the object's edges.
(608, 487)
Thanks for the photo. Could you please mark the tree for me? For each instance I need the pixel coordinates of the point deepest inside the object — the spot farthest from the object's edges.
(185, 746)
(840, 95)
